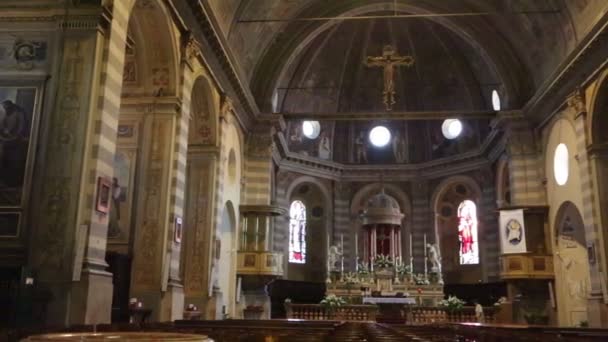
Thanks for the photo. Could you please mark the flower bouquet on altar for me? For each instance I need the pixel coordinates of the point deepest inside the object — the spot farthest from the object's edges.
(331, 303)
(403, 271)
(421, 279)
(383, 261)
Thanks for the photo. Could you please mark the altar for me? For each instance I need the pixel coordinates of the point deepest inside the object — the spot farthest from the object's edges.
(381, 277)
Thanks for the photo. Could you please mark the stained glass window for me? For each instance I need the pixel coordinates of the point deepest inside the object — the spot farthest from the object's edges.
(467, 233)
(297, 232)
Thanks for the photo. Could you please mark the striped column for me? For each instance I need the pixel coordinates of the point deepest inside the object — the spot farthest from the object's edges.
(525, 168)
(344, 225)
(421, 223)
(590, 215)
(488, 234)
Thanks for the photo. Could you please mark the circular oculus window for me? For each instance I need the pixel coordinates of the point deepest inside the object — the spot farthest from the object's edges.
(451, 128)
(560, 164)
(379, 136)
(311, 129)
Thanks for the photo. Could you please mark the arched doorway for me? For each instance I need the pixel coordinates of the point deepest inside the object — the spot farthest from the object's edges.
(225, 255)
(572, 265)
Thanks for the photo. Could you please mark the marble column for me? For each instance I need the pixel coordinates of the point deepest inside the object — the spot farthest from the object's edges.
(77, 151)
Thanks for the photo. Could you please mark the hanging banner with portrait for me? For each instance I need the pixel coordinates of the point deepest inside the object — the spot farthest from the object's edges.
(512, 231)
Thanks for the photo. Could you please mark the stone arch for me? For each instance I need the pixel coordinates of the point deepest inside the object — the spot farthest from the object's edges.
(224, 270)
(316, 261)
(572, 265)
(154, 63)
(204, 113)
(446, 199)
(598, 110)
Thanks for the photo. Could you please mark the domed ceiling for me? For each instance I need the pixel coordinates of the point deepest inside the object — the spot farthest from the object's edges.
(462, 48)
(330, 74)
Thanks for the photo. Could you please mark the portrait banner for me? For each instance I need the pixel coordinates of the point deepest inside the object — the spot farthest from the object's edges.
(512, 231)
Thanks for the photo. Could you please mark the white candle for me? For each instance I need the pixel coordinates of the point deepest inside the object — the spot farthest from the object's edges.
(425, 258)
(411, 253)
(342, 258)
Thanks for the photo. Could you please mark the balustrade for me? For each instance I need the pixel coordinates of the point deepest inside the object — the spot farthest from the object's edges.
(356, 313)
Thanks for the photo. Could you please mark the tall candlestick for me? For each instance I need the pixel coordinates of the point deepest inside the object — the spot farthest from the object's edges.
(411, 254)
(342, 251)
(425, 258)
(356, 252)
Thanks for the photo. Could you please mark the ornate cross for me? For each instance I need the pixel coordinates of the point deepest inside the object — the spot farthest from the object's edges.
(389, 60)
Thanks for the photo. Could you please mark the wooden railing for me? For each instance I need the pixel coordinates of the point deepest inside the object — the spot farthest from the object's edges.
(358, 313)
(425, 315)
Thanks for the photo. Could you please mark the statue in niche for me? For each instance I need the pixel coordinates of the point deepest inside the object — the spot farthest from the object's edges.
(360, 148)
(400, 148)
(334, 254)
(324, 145)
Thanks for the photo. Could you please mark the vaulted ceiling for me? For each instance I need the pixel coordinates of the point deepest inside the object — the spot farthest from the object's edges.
(295, 59)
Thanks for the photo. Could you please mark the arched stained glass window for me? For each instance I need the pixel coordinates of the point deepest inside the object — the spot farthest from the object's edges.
(467, 233)
(297, 232)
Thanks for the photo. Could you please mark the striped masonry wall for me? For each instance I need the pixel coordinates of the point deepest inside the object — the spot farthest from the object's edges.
(422, 223)
(257, 180)
(343, 226)
(525, 169)
(102, 140)
(588, 211)
(281, 227)
(488, 234)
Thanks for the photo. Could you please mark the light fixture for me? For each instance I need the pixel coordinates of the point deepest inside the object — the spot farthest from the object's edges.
(560, 164)
(379, 136)
(311, 129)
(495, 100)
(451, 128)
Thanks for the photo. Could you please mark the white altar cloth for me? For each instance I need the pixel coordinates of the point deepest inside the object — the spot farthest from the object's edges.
(388, 300)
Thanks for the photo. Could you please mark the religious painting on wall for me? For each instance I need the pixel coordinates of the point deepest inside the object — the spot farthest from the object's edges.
(311, 138)
(17, 115)
(119, 226)
(18, 118)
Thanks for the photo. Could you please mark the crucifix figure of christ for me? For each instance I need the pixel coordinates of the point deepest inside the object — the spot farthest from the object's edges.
(388, 61)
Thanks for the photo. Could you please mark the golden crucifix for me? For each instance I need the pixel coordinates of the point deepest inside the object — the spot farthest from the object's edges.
(389, 60)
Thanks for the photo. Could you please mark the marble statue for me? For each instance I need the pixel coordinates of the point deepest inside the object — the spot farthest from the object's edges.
(333, 255)
(434, 257)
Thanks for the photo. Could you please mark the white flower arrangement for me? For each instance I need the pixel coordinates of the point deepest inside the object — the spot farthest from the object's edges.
(452, 304)
(383, 261)
(420, 279)
(351, 278)
(331, 301)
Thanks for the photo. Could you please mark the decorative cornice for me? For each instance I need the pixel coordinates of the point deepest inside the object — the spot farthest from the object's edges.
(587, 59)
(213, 38)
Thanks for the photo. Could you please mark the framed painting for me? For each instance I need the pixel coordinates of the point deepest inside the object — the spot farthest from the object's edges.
(19, 108)
(177, 237)
(104, 192)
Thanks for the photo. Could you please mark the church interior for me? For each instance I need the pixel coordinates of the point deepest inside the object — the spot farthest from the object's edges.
(345, 169)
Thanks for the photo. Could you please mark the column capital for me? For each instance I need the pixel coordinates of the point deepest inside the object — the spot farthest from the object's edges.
(576, 103)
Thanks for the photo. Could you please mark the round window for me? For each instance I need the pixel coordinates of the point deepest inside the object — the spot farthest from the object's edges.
(451, 128)
(560, 164)
(311, 129)
(379, 136)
